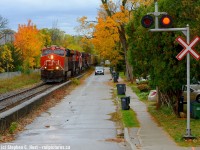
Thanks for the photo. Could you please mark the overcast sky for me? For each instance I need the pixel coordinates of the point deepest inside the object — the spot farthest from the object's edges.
(48, 13)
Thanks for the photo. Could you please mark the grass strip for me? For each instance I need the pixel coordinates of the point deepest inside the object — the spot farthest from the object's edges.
(129, 118)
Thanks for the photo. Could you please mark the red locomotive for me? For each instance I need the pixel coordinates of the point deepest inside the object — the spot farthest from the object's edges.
(58, 63)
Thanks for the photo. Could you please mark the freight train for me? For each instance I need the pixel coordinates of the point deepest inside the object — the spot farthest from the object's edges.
(58, 63)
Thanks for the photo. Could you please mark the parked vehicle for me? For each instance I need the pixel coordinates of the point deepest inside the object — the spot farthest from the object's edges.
(194, 93)
(99, 70)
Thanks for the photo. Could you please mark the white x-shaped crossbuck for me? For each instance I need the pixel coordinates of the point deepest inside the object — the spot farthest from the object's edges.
(187, 48)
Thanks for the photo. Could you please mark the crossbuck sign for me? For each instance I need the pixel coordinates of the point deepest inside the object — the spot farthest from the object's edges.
(188, 48)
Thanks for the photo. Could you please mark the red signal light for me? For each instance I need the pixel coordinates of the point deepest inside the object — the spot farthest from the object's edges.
(147, 21)
(165, 21)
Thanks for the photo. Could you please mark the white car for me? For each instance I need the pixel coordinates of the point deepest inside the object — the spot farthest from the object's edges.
(99, 70)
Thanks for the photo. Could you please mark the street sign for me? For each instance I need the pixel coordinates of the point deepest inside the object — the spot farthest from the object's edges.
(188, 48)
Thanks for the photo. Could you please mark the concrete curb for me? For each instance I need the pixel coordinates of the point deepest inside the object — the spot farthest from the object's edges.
(127, 138)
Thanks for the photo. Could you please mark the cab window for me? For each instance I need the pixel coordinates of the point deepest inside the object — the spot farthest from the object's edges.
(59, 52)
(46, 52)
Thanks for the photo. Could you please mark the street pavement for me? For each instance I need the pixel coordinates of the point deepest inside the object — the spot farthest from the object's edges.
(79, 122)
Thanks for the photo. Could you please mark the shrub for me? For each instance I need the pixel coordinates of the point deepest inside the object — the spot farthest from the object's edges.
(143, 87)
(13, 127)
(75, 81)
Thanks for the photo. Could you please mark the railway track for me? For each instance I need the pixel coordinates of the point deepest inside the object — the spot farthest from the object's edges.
(7, 101)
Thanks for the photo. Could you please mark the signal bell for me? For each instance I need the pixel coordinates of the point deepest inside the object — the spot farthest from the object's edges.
(165, 21)
(147, 21)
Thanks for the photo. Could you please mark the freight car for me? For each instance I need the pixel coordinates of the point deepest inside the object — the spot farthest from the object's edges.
(58, 63)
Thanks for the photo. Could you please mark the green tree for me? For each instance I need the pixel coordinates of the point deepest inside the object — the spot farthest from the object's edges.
(6, 60)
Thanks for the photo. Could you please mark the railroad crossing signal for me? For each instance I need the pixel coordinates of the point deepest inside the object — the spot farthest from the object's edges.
(165, 21)
(188, 48)
(147, 21)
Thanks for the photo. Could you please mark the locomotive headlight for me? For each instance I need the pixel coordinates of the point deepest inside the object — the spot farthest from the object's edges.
(51, 57)
(57, 67)
(45, 67)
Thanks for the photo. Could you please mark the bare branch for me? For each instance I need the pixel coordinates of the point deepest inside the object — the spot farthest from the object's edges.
(3, 22)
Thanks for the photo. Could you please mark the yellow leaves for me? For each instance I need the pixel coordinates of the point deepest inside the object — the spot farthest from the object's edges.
(142, 2)
(29, 41)
(82, 20)
(86, 27)
(121, 17)
(106, 38)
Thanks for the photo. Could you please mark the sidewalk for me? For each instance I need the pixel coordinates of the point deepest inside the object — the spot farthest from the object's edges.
(149, 136)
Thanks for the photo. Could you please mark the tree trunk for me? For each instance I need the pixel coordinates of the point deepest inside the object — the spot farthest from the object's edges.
(123, 40)
(158, 105)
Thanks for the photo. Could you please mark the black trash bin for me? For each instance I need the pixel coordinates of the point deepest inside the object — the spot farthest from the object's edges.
(111, 70)
(125, 101)
(115, 78)
(113, 74)
(180, 104)
(121, 89)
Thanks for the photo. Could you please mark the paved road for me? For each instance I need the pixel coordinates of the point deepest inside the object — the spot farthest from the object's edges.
(80, 121)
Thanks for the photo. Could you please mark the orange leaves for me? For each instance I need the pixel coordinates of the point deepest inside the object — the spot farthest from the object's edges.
(121, 17)
(29, 41)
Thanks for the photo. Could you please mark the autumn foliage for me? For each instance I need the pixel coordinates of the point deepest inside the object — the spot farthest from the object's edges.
(106, 40)
(28, 41)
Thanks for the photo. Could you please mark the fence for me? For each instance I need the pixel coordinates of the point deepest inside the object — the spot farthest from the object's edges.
(9, 74)
(6, 75)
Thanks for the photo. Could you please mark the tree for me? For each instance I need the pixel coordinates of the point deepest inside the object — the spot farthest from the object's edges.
(46, 36)
(3, 22)
(6, 60)
(106, 40)
(29, 42)
(120, 16)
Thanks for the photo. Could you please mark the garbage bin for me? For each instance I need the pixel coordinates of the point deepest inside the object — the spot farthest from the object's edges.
(117, 75)
(113, 74)
(180, 104)
(196, 110)
(121, 89)
(125, 101)
(111, 70)
(115, 78)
